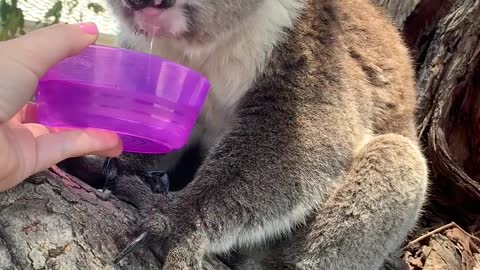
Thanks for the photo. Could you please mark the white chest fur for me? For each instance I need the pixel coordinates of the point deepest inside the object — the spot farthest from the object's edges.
(232, 63)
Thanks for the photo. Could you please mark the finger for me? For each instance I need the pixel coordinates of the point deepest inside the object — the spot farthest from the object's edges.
(25, 59)
(37, 130)
(114, 152)
(106, 153)
(27, 114)
(55, 147)
(42, 48)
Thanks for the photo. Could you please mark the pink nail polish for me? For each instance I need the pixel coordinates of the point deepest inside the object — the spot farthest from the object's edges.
(89, 28)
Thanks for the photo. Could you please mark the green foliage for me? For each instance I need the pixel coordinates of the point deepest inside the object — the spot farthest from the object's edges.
(55, 11)
(96, 8)
(12, 20)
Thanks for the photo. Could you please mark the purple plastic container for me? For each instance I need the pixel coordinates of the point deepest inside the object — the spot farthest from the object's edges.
(150, 102)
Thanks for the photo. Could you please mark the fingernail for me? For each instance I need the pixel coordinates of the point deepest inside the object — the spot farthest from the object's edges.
(89, 28)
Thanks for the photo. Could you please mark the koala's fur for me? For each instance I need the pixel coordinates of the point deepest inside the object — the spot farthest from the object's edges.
(310, 158)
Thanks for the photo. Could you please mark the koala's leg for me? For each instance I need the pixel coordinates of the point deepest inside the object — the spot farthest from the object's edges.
(368, 216)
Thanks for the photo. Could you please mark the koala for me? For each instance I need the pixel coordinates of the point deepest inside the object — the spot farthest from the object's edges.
(306, 153)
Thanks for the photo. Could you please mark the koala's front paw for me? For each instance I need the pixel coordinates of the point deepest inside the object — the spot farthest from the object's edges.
(174, 230)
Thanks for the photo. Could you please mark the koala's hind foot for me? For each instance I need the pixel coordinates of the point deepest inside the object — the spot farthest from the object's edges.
(368, 216)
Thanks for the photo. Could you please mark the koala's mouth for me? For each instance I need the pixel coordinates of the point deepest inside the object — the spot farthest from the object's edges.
(158, 22)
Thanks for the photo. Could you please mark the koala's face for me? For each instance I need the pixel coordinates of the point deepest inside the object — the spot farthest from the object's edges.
(194, 20)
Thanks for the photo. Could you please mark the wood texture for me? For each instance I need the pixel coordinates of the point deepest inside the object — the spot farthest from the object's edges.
(56, 222)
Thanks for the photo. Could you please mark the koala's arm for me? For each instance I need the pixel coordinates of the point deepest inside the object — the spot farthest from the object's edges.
(271, 169)
(287, 158)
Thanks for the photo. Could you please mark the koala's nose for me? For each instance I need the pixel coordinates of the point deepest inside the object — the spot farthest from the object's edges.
(140, 4)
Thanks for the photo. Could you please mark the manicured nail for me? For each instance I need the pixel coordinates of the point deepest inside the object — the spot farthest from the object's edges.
(89, 28)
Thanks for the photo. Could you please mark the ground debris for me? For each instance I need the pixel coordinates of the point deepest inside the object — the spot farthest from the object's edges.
(448, 247)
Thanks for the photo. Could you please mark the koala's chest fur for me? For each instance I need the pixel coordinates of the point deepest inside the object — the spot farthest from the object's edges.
(231, 64)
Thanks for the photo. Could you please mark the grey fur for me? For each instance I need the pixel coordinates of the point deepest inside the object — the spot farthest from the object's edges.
(321, 168)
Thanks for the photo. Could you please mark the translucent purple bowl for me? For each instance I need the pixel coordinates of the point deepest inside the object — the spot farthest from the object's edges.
(150, 102)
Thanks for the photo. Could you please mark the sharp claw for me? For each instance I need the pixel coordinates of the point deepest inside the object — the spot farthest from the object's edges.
(134, 245)
(109, 170)
(166, 182)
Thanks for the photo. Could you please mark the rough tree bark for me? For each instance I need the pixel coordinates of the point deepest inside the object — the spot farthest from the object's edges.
(449, 81)
(444, 37)
(54, 221)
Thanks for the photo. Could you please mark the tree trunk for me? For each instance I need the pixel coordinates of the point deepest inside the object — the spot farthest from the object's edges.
(444, 37)
(54, 221)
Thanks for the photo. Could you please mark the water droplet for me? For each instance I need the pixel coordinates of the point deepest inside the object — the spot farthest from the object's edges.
(152, 43)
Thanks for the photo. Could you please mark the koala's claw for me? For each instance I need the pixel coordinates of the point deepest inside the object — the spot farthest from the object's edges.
(131, 247)
(156, 226)
(110, 171)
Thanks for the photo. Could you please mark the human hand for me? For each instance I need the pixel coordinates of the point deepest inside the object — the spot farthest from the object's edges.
(25, 147)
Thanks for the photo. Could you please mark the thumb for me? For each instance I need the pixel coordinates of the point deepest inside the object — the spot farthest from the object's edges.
(25, 59)
(41, 49)
(54, 147)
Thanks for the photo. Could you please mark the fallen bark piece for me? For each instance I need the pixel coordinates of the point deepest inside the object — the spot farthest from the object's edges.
(447, 248)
